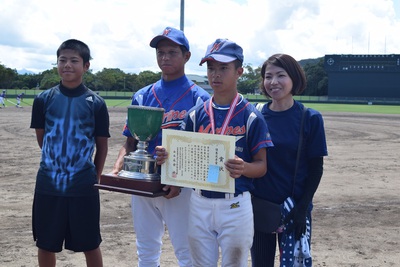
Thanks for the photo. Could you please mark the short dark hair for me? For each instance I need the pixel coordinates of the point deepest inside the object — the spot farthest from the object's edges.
(78, 46)
(291, 66)
(238, 63)
(183, 49)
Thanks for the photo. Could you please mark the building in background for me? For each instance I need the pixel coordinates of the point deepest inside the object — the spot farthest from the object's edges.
(201, 81)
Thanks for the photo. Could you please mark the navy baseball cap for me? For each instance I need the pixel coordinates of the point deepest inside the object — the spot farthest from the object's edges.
(223, 50)
(172, 34)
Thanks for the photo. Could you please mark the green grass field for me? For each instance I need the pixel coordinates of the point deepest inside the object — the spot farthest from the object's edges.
(124, 99)
(375, 109)
(360, 108)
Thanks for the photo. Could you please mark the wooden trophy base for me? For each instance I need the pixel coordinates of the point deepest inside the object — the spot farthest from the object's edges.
(141, 187)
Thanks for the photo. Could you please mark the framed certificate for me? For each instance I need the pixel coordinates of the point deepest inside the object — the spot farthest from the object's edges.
(196, 160)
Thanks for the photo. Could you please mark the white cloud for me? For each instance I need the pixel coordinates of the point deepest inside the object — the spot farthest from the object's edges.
(119, 31)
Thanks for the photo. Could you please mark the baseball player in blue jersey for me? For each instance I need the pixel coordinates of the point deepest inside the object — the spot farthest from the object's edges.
(176, 94)
(221, 220)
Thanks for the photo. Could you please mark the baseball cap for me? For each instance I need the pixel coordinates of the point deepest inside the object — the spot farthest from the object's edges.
(223, 50)
(172, 34)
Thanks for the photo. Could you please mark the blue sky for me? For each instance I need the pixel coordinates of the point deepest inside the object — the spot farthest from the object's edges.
(119, 31)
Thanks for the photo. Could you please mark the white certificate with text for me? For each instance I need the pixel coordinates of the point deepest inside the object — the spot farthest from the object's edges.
(196, 160)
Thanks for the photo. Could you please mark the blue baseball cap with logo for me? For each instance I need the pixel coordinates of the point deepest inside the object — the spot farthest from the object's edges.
(175, 35)
(223, 50)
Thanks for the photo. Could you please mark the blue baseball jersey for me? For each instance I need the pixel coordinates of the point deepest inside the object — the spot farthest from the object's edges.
(71, 120)
(284, 126)
(246, 124)
(3, 94)
(177, 97)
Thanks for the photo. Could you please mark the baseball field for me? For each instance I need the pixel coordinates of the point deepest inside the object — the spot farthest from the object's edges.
(357, 206)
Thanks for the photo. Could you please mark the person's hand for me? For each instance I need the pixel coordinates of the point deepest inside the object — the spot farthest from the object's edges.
(298, 216)
(161, 155)
(115, 171)
(235, 167)
(173, 191)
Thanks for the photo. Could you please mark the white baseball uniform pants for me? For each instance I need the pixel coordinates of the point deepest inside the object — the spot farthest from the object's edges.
(149, 217)
(220, 224)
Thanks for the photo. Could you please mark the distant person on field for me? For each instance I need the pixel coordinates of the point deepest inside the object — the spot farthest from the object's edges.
(71, 122)
(3, 98)
(19, 98)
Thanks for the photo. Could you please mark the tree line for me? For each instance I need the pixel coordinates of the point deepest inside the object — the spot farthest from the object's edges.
(114, 79)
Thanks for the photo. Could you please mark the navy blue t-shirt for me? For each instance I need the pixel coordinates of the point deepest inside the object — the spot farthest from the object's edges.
(284, 127)
(71, 119)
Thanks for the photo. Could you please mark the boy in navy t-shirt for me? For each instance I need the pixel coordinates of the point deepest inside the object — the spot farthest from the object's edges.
(70, 121)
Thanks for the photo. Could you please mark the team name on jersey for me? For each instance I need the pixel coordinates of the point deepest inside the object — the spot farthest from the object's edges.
(174, 115)
(237, 130)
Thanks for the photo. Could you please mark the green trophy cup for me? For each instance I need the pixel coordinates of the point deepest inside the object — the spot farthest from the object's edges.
(144, 123)
(139, 175)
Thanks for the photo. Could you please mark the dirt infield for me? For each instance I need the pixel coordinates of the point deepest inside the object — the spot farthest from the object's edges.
(357, 207)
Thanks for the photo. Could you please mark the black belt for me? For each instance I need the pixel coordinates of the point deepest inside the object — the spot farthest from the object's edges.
(213, 194)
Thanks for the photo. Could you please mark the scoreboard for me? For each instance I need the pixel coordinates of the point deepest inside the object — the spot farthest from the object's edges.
(370, 76)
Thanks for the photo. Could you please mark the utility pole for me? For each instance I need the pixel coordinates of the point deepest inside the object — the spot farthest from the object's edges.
(182, 14)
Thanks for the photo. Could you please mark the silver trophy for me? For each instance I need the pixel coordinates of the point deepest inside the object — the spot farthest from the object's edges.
(140, 171)
(144, 124)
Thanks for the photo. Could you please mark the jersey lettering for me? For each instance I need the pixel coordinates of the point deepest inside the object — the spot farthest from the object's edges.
(237, 130)
(173, 115)
(205, 130)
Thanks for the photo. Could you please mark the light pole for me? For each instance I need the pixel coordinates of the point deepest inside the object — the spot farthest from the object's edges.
(182, 14)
